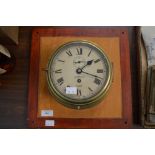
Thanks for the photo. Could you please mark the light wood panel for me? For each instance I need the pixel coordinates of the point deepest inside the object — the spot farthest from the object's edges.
(110, 106)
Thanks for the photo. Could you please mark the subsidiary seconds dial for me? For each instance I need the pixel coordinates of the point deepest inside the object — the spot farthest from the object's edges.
(79, 74)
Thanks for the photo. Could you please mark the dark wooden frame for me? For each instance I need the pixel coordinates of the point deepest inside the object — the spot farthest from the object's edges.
(124, 122)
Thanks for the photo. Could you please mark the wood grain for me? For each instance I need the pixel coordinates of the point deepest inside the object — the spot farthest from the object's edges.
(124, 122)
(110, 106)
(14, 88)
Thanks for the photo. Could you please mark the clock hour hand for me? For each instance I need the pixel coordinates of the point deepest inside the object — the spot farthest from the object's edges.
(92, 75)
(88, 63)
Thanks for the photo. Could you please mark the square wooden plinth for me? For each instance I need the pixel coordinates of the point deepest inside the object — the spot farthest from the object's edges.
(114, 111)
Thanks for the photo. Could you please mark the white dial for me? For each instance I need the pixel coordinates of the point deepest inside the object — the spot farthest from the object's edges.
(78, 72)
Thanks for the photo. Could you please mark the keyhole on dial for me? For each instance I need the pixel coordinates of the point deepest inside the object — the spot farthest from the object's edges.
(79, 80)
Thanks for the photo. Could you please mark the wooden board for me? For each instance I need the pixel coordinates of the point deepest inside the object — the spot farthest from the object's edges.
(111, 105)
(115, 109)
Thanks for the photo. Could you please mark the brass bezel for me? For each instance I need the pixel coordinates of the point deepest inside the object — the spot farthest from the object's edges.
(83, 103)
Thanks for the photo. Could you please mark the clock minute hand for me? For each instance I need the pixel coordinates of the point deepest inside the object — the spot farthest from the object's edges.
(92, 75)
(88, 63)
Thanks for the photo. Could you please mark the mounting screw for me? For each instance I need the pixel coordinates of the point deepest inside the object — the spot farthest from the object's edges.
(125, 122)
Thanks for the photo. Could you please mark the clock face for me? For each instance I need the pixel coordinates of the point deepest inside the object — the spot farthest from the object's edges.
(79, 74)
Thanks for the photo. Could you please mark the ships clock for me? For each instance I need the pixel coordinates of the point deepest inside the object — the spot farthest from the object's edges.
(79, 74)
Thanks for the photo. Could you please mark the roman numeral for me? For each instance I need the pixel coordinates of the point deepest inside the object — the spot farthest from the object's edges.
(96, 61)
(89, 53)
(99, 70)
(58, 71)
(61, 60)
(79, 92)
(69, 53)
(79, 51)
(60, 80)
(90, 89)
(97, 81)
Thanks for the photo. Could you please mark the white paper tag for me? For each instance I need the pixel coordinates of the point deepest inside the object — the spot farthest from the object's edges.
(49, 123)
(71, 90)
(46, 112)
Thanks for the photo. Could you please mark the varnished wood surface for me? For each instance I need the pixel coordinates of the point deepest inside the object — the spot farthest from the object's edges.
(125, 121)
(14, 91)
(109, 107)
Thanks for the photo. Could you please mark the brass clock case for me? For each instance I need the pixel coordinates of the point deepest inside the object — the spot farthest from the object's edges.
(81, 103)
